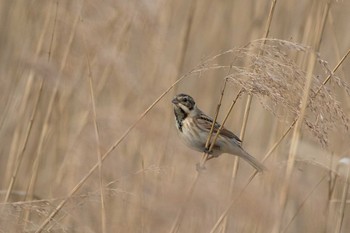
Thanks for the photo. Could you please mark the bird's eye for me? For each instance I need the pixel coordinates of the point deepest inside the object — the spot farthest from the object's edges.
(185, 100)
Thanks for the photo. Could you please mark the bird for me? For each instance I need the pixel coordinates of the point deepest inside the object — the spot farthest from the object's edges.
(194, 126)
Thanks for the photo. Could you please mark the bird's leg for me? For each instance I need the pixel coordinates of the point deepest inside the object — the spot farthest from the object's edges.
(211, 153)
(207, 151)
(200, 167)
(211, 157)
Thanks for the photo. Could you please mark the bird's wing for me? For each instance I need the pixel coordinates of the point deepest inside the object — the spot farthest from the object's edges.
(206, 122)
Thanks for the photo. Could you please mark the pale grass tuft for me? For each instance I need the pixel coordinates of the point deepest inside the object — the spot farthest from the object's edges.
(266, 69)
(345, 161)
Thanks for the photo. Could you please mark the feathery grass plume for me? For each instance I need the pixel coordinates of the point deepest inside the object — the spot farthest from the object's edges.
(271, 74)
(40, 208)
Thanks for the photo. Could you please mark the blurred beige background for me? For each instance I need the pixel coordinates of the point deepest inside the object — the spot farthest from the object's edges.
(133, 51)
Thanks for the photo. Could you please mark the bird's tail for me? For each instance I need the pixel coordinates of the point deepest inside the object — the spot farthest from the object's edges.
(251, 160)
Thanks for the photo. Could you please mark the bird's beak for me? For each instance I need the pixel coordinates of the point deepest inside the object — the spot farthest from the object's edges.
(175, 101)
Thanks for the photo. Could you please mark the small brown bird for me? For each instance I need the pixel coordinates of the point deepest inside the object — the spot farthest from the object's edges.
(194, 126)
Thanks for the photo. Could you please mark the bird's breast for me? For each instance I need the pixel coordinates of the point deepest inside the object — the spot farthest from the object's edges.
(192, 135)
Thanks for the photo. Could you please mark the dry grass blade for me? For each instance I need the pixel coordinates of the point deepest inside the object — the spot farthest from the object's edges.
(272, 149)
(186, 35)
(225, 119)
(247, 110)
(29, 86)
(99, 155)
(177, 222)
(303, 203)
(115, 145)
(335, 69)
(209, 145)
(123, 56)
(344, 197)
(280, 95)
(294, 145)
(204, 67)
(269, 18)
(297, 129)
(24, 146)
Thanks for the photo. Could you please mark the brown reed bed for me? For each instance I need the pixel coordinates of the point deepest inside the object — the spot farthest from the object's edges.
(87, 136)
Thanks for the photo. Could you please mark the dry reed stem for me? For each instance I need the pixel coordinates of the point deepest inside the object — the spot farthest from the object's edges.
(181, 60)
(236, 160)
(143, 198)
(315, 94)
(273, 148)
(246, 112)
(28, 89)
(24, 145)
(200, 69)
(79, 217)
(115, 145)
(18, 158)
(331, 189)
(197, 70)
(225, 212)
(303, 203)
(85, 117)
(24, 104)
(186, 36)
(297, 129)
(335, 69)
(294, 146)
(180, 64)
(176, 225)
(14, 160)
(102, 80)
(241, 136)
(106, 154)
(46, 202)
(44, 131)
(99, 155)
(26, 213)
(284, 93)
(53, 31)
(224, 121)
(43, 134)
(207, 143)
(269, 18)
(342, 206)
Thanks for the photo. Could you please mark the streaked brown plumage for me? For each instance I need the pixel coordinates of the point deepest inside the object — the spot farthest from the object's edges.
(194, 127)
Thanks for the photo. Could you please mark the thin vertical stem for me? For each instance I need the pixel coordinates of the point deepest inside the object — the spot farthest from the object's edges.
(99, 155)
(105, 155)
(179, 217)
(273, 148)
(247, 111)
(297, 129)
(342, 206)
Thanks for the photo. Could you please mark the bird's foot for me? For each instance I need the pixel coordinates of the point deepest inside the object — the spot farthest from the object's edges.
(211, 156)
(200, 167)
(207, 151)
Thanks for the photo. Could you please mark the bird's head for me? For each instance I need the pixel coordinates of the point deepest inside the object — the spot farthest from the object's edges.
(185, 102)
